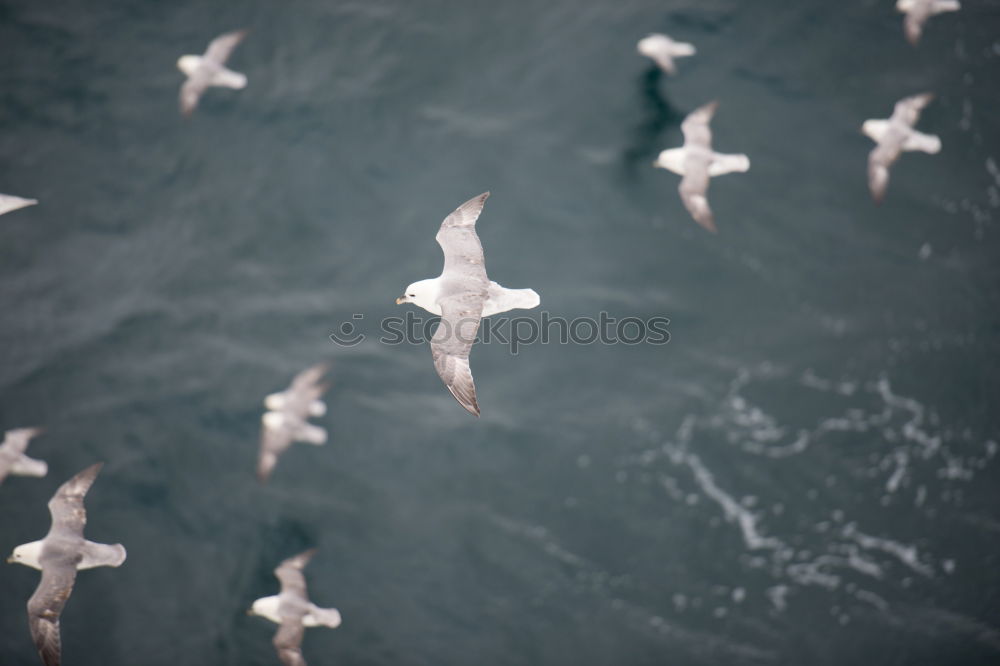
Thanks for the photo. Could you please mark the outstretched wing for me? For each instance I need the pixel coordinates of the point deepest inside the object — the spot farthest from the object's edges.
(308, 380)
(452, 343)
(222, 46)
(907, 110)
(289, 572)
(273, 442)
(287, 641)
(464, 289)
(66, 506)
(696, 126)
(191, 92)
(694, 195)
(46, 605)
(17, 440)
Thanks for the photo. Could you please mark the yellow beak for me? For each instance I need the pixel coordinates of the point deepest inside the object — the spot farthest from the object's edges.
(400, 300)
(11, 560)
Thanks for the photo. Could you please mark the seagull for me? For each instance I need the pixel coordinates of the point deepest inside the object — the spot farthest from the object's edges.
(59, 555)
(918, 11)
(293, 610)
(9, 202)
(663, 50)
(12, 457)
(894, 136)
(209, 70)
(697, 163)
(286, 420)
(462, 295)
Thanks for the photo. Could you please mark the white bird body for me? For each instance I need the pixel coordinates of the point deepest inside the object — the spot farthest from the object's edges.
(425, 294)
(662, 50)
(13, 459)
(894, 137)
(697, 163)
(209, 70)
(462, 295)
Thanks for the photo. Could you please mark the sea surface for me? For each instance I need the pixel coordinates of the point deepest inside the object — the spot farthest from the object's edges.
(807, 473)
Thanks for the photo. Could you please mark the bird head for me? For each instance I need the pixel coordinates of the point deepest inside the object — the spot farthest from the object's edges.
(421, 293)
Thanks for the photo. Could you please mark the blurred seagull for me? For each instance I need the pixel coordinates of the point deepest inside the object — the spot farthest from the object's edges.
(918, 11)
(663, 50)
(894, 136)
(9, 202)
(462, 295)
(59, 555)
(287, 418)
(697, 163)
(12, 457)
(209, 70)
(293, 610)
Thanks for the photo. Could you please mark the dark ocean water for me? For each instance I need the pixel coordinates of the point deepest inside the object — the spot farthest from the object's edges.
(806, 474)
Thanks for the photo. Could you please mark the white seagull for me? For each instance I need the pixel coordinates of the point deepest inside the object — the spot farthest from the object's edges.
(918, 11)
(697, 163)
(293, 611)
(9, 202)
(287, 418)
(210, 70)
(59, 555)
(13, 459)
(894, 136)
(663, 50)
(462, 295)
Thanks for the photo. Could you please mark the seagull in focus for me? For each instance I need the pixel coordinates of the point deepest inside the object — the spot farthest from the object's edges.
(59, 556)
(918, 11)
(13, 459)
(9, 202)
(210, 70)
(286, 420)
(697, 163)
(293, 611)
(462, 295)
(894, 136)
(663, 50)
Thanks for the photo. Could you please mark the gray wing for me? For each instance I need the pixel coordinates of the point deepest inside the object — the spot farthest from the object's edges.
(879, 160)
(222, 46)
(308, 379)
(273, 442)
(191, 92)
(464, 264)
(46, 605)
(289, 573)
(17, 440)
(694, 195)
(464, 290)
(696, 126)
(287, 641)
(9, 202)
(452, 342)
(907, 110)
(66, 506)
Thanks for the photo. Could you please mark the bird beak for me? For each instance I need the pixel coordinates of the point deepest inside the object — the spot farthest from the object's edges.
(10, 560)
(400, 300)
(249, 611)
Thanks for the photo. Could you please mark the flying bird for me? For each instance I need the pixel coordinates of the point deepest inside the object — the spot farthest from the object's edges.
(697, 163)
(894, 136)
(918, 11)
(9, 202)
(663, 50)
(293, 611)
(210, 70)
(13, 459)
(286, 420)
(59, 555)
(462, 295)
